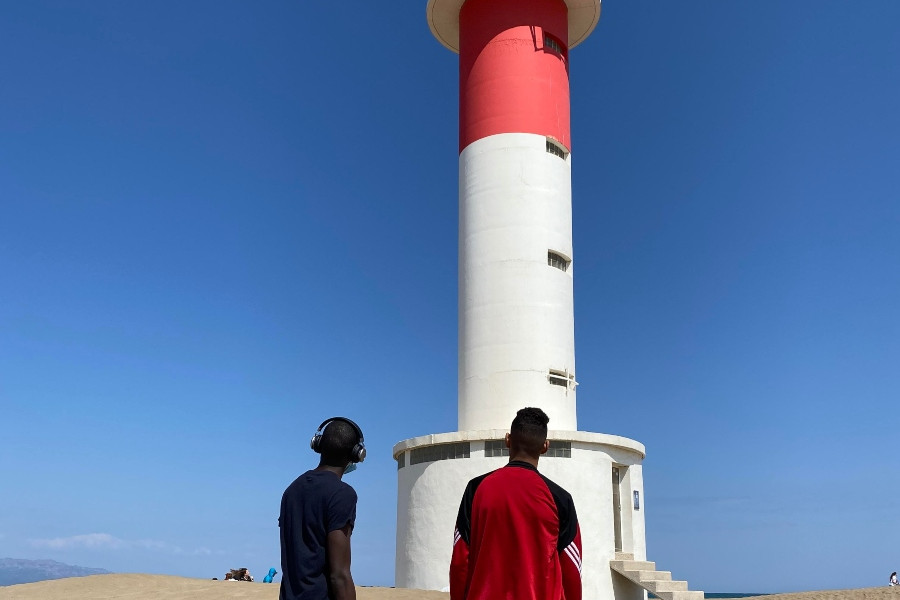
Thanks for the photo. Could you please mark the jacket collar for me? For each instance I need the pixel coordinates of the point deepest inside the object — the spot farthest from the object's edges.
(521, 464)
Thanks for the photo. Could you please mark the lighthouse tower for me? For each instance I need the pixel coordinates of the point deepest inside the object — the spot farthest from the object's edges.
(516, 317)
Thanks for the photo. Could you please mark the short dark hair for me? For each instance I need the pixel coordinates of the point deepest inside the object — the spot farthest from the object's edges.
(338, 440)
(528, 431)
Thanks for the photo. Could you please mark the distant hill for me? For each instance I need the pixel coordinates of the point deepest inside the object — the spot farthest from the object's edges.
(19, 570)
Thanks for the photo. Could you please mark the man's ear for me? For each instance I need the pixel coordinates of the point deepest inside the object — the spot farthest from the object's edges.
(506, 440)
(545, 446)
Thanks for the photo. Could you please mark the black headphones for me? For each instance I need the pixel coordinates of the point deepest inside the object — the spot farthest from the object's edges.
(357, 454)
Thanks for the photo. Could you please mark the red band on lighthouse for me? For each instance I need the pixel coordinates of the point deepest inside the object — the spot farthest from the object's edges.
(513, 69)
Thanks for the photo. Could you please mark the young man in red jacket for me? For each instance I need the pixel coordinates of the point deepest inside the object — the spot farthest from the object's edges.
(517, 534)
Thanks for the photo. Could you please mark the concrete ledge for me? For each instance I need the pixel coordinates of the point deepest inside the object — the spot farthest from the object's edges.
(602, 439)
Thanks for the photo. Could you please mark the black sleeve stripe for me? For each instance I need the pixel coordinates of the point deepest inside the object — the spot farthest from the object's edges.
(565, 508)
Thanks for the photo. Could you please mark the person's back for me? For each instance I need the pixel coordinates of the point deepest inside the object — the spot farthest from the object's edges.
(316, 503)
(318, 513)
(517, 533)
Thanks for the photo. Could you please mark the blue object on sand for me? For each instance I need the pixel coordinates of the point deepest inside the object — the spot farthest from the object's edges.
(268, 578)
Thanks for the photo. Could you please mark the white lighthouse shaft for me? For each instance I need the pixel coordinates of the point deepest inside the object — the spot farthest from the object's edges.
(516, 321)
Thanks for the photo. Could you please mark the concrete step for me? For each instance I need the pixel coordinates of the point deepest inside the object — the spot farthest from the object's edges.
(681, 595)
(660, 583)
(624, 556)
(653, 575)
(658, 587)
(632, 565)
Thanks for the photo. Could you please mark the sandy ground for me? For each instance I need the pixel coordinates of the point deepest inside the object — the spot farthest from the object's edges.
(876, 593)
(166, 587)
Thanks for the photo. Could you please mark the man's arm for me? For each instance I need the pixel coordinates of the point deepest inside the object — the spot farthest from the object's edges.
(459, 562)
(569, 543)
(570, 561)
(459, 567)
(340, 581)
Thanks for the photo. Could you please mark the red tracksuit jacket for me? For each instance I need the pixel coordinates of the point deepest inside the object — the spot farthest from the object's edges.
(517, 538)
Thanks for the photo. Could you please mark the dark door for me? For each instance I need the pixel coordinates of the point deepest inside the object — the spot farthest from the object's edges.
(617, 508)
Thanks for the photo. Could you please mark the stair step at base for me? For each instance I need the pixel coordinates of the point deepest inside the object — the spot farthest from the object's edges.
(660, 583)
(654, 575)
(658, 587)
(632, 565)
(683, 595)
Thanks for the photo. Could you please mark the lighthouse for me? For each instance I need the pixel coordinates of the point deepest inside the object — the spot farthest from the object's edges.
(516, 316)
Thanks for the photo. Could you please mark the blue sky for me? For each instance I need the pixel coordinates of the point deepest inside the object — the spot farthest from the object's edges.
(221, 223)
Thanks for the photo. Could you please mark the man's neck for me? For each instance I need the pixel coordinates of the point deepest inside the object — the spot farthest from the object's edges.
(339, 471)
(525, 458)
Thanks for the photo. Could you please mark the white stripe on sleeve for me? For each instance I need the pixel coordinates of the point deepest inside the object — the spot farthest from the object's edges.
(573, 554)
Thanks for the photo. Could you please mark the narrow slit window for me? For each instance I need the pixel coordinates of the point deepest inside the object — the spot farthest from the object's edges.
(439, 452)
(401, 461)
(560, 449)
(556, 149)
(558, 260)
(555, 45)
(562, 379)
(495, 448)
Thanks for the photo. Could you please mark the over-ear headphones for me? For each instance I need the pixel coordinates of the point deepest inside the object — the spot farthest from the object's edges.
(357, 454)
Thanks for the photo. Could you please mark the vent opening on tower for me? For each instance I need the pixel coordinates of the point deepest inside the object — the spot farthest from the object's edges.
(560, 449)
(555, 259)
(554, 147)
(495, 448)
(556, 46)
(439, 452)
(562, 379)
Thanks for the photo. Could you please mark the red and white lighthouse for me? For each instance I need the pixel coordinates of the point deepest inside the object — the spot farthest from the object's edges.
(516, 335)
(516, 316)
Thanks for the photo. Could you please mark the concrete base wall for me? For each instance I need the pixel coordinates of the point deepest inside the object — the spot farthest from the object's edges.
(429, 494)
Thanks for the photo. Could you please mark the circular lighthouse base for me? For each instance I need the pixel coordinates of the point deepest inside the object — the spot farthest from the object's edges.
(602, 472)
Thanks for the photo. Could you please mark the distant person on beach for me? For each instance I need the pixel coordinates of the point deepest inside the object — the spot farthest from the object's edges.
(894, 579)
(271, 576)
(241, 574)
(318, 512)
(517, 534)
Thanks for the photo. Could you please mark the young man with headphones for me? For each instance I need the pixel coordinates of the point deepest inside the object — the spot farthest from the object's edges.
(318, 511)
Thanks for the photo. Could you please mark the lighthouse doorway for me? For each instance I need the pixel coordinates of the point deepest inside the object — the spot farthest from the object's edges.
(617, 507)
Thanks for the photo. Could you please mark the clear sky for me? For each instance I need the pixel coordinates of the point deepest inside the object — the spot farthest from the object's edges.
(222, 222)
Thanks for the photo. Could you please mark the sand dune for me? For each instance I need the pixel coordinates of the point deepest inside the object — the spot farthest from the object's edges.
(166, 587)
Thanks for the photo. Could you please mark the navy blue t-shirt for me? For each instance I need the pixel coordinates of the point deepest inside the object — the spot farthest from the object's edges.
(316, 503)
